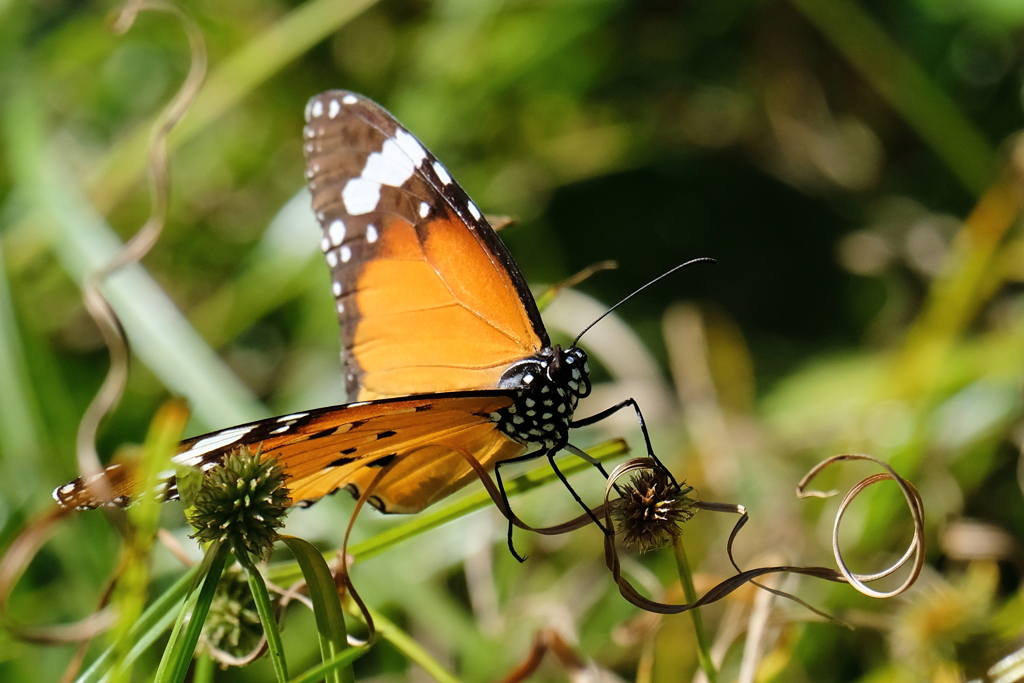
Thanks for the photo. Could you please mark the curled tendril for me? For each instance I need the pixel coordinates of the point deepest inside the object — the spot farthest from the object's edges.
(28, 543)
(13, 565)
(109, 394)
(842, 575)
(914, 503)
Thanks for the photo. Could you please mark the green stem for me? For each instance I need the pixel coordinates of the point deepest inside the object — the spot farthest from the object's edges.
(266, 611)
(178, 655)
(202, 672)
(405, 644)
(703, 642)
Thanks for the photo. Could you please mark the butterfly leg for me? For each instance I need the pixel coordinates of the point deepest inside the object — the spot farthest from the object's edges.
(551, 459)
(593, 419)
(504, 498)
(579, 452)
(593, 461)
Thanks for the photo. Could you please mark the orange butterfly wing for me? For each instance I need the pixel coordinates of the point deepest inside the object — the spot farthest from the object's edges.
(428, 297)
(420, 440)
(430, 301)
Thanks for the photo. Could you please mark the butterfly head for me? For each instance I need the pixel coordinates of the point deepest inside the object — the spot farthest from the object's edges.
(564, 369)
(569, 368)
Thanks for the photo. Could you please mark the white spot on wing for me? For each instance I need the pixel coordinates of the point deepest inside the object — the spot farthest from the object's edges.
(390, 166)
(280, 430)
(350, 99)
(346, 254)
(442, 173)
(412, 148)
(336, 231)
(318, 108)
(371, 233)
(340, 307)
(292, 417)
(473, 210)
(332, 258)
(333, 108)
(360, 196)
(336, 288)
(424, 209)
(325, 244)
(211, 443)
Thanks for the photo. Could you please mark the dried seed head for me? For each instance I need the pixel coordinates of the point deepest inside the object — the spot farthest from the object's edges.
(652, 507)
(233, 625)
(241, 503)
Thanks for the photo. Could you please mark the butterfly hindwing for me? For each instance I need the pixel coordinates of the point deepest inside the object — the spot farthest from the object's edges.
(323, 450)
(428, 297)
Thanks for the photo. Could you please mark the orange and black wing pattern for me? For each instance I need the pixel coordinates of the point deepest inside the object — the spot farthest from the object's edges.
(433, 311)
(428, 297)
(421, 440)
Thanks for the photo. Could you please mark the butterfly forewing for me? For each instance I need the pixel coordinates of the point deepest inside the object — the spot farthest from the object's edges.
(428, 297)
(327, 449)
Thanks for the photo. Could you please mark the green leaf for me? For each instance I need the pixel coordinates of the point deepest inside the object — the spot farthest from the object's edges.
(330, 620)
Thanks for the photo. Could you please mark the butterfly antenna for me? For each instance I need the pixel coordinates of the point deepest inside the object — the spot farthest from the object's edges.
(703, 259)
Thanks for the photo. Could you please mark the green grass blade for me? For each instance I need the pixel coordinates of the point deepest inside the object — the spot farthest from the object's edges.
(330, 620)
(153, 623)
(266, 611)
(906, 86)
(321, 671)
(130, 594)
(178, 655)
(158, 332)
(20, 419)
(412, 650)
(234, 78)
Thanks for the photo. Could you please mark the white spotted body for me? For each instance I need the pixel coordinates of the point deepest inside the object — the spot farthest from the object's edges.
(548, 388)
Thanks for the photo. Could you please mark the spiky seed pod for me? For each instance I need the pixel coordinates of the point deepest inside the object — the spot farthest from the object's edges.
(651, 508)
(233, 625)
(241, 502)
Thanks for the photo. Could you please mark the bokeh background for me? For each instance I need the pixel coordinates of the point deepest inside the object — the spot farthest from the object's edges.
(852, 165)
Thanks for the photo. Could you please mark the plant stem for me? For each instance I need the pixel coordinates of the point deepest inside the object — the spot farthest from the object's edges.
(703, 643)
(266, 611)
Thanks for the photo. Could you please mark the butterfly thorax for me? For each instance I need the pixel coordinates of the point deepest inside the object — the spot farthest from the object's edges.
(547, 387)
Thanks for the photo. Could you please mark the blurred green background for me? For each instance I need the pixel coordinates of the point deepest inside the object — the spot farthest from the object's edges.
(852, 166)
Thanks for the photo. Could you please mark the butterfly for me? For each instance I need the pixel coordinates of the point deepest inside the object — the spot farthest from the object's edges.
(444, 350)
